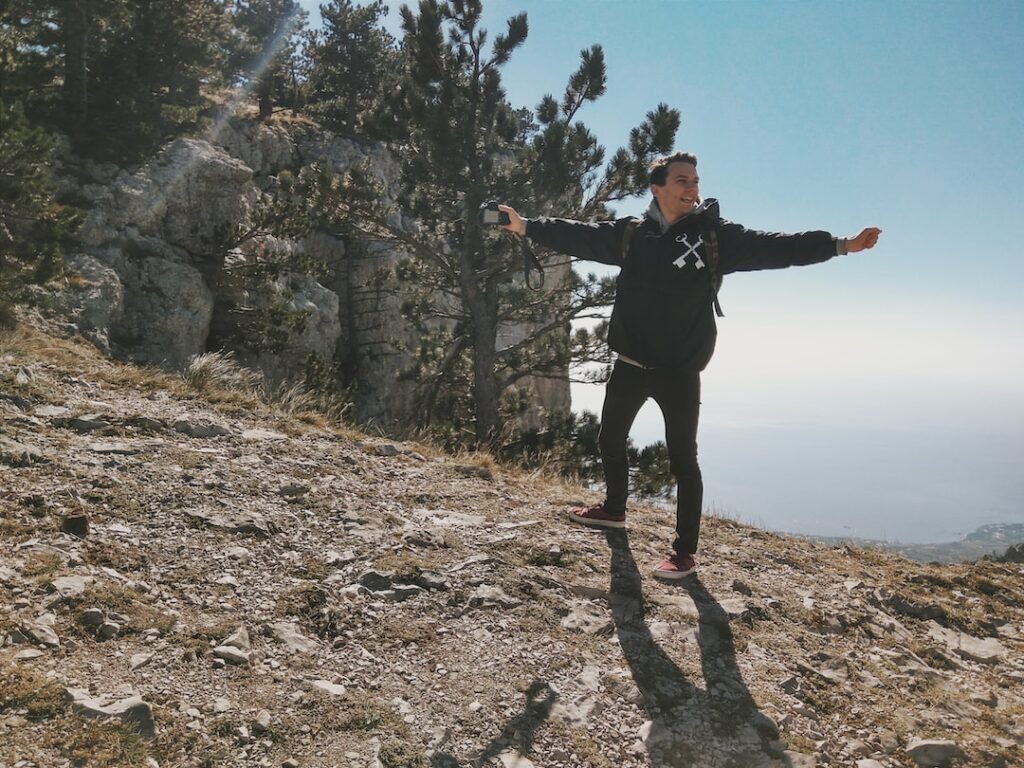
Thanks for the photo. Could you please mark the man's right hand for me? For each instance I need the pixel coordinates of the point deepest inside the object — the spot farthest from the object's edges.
(516, 225)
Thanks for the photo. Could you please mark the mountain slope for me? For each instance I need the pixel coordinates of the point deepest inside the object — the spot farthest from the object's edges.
(258, 588)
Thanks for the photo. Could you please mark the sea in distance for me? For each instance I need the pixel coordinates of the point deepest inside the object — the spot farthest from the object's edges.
(915, 491)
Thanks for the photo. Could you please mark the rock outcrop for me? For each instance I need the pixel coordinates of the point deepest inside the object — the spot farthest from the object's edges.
(149, 280)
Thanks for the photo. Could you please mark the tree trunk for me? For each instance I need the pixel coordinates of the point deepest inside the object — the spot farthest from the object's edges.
(485, 384)
(481, 303)
(265, 95)
(75, 27)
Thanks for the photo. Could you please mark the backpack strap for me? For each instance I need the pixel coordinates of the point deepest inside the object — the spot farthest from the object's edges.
(627, 235)
(711, 253)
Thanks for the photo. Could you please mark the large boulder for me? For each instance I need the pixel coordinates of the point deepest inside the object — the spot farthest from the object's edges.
(206, 192)
(266, 149)
(190, 196)
(166, 316)
(92, 298)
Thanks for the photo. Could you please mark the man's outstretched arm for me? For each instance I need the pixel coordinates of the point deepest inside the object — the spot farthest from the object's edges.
(589, 241)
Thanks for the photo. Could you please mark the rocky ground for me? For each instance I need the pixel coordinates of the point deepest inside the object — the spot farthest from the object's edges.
(191, 577)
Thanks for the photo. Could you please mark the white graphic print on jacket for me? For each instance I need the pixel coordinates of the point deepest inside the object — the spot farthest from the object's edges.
(698, 261)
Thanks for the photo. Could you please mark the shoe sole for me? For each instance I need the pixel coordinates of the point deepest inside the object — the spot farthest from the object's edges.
(596, 523)
(673, 575)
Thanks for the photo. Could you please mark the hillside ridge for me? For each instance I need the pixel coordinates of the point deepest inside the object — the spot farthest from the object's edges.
(198, 578)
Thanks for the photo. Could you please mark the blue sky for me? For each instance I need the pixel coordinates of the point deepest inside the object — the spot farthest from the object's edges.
(908, 116)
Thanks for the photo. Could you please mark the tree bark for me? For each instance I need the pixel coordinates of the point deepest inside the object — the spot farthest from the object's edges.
(482, 307)
(265, 95)
(75, 28)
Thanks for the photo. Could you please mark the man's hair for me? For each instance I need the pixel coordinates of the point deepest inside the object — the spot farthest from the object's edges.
(659, 168)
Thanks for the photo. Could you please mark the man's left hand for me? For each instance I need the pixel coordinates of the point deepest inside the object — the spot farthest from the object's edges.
(866, 239)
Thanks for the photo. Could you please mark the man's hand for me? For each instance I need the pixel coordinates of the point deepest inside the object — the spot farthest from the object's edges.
(515, 225)
(866, 239)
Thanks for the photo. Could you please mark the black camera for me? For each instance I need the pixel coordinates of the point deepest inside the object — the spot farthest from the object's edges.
(489, 214)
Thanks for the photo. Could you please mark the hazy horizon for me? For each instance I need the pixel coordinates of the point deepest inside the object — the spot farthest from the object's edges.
(900, 483)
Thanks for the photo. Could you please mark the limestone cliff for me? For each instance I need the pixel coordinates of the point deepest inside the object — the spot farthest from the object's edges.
(149, 284)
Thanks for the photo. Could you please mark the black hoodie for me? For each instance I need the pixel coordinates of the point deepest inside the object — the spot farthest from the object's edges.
(663, 314)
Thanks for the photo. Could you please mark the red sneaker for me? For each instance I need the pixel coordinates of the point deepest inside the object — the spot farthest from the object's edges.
(595, 516)
(676, 566)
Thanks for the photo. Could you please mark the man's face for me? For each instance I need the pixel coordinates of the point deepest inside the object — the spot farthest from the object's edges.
(681, 192)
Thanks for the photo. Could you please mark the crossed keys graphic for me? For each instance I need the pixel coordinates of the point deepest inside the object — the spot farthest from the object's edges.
(681, 261)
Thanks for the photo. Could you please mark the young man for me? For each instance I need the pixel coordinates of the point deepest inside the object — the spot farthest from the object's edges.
(662, 326)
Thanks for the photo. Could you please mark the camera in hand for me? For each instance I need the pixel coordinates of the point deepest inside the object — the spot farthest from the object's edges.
(489, 214)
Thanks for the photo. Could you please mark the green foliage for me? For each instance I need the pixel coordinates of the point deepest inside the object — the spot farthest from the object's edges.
(134, 71)
(352, 62)
(119, 77)
(258, 270)
(33, 226)
(27, 70)
(567, 444)
(650, 470)
(264, 51)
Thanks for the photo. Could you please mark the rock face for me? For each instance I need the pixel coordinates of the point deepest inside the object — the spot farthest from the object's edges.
(93, 301)
(166, 315)
(258, 591)
(151, 282)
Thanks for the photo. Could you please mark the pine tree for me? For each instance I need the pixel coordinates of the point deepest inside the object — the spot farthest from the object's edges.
(29, 72)
(461, 143)
(264, 50)
(147, 64)
(33, 226)
(353, 61)
(119, 77)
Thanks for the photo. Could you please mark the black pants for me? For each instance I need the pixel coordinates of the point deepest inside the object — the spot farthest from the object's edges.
(677, 393)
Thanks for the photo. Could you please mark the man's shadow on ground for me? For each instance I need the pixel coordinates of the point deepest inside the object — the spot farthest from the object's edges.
(719, 725)
(518, 735)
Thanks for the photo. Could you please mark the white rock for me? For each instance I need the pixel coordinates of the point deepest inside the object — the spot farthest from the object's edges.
(588, 618)
(232, 654)
(513, 759)
(222, 705)
(288, 634)
(140, 660)
(42, 633)
(261, 724)
(238, 639)
(985, 650)
(131, 710)
(263, 434)
(328, 687)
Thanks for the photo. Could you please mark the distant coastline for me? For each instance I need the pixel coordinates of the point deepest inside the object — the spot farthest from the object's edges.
(993, 539)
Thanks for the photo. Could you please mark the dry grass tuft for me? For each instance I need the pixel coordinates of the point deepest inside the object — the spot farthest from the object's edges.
(26, 691)
(114, 597)
(299, 400)
(107, 745)
(220, 370)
